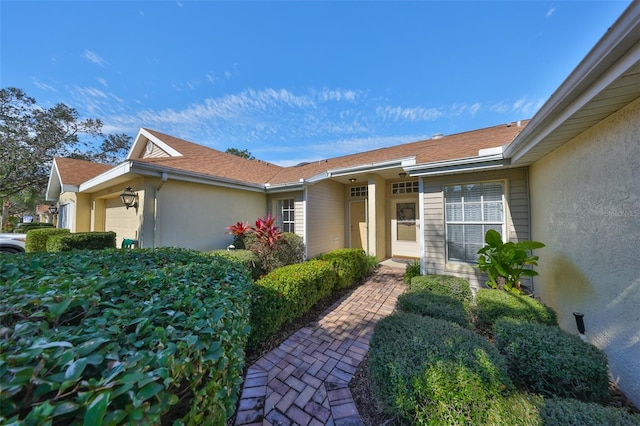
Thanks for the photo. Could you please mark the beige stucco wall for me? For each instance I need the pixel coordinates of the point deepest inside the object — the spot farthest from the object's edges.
(516, 216)
(325, 217)
(195, 216)
(377, 216)
(585, 200)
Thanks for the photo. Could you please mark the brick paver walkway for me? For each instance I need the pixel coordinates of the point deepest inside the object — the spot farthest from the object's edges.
(305, 381)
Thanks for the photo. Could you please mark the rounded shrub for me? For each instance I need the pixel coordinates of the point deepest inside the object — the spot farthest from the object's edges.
(425, 302)
(37, 238)
(494, 304)
(430, 371)
(546, 360)
(246, 258)
(443, 285)
(573, 412)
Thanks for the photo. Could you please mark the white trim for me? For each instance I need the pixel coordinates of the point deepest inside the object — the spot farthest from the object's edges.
(139, 145)
(461, 165)
(372, 167)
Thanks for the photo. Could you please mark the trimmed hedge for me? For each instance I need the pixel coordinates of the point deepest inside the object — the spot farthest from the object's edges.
(246, 258)
(430, 371)
(81, 241)
(121, 336)
(285, 294)
(444, 285)
(425, 302)
(350, 264)
(29, 226)
(37, 238)
(492, 305)
(573, 412)
(546, 360)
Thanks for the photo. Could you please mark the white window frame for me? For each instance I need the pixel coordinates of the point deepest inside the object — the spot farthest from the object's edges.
(286, 205)
(501, 225)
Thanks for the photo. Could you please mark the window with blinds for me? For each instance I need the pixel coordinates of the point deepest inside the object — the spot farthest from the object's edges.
(286, 215)
(470, 211)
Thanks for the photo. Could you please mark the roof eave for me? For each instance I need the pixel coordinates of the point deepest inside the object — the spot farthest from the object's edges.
(461, 165)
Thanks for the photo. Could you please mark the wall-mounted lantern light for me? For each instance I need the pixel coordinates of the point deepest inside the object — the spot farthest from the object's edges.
(129, 198)
(352, 180)
(402, 174)
(53, 209)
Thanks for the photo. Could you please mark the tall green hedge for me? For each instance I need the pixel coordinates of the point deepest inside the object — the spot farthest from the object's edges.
(492, 305)
(37, 238)
(81, 241)
(121, 337)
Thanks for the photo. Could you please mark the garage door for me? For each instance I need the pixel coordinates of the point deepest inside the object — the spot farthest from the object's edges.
(120, 220)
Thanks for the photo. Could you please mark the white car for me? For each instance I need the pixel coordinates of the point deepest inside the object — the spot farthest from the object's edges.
(12, 243)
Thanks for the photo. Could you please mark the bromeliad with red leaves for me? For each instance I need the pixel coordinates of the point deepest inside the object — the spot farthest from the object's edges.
(239, 231)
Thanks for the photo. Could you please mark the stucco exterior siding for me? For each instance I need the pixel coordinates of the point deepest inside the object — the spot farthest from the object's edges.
(592, 233)
(516, 218)
(326, 217)
(195, 216)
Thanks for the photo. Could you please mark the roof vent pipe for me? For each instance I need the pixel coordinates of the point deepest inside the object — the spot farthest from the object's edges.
(519, 123)
(437, 136)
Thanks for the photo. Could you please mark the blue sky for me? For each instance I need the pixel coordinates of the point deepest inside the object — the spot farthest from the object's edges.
(298, 81)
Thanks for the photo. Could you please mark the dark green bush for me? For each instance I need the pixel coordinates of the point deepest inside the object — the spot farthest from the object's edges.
(425, 302)
(246, 258)
(494, 304)
(573, 412)
(286, 293)
(430, 371)
(37, 238)
(546, 360)
(121, 336)
(25, 227)
(81, 241)
(287, 250)
(412, 270)
(444, 285)
(350, 264)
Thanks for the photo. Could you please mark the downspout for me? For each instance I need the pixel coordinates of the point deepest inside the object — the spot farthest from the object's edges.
(529, 224)
(305, 194)
(156, 228)
(366, 221)
(423, 246)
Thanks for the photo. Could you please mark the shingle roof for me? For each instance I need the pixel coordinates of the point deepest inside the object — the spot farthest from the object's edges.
(207, 161)
(75, 172)
(456, 146)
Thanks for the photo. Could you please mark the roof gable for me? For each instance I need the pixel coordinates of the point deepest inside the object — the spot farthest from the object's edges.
(68, 173)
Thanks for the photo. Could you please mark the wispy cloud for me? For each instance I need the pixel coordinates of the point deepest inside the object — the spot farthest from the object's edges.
(550, 12)
(102, 81)
(396, 113)
(44, 86)
(94, 57)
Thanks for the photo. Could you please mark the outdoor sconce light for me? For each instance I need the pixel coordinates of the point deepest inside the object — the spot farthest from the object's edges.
(129, 198)
(402, 174)
(579, 322)
(352, 180)
(53, 209)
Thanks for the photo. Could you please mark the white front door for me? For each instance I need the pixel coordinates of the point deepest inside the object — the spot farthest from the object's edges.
(405, 219)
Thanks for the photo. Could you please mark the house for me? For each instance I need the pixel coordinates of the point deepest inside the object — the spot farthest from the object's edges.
(569, 177)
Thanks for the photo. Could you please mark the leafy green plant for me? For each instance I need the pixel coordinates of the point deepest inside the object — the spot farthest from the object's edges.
(120, 336)
(545, 360)
(505, 263)
(412, 270)
(246, 258)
